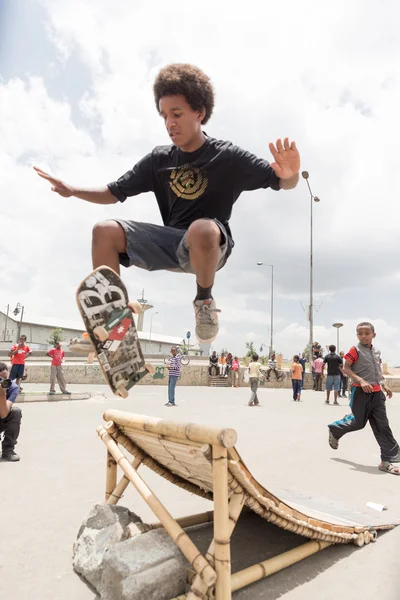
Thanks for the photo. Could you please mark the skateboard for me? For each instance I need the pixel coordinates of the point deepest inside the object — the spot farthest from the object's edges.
(108, 317)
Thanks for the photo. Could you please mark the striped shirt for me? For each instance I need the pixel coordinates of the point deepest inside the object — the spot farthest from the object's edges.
(175, 364)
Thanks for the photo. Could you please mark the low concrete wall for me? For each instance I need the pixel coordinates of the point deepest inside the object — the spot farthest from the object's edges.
(190, 375)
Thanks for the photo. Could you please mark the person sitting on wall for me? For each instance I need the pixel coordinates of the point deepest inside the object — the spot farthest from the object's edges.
(213, 367)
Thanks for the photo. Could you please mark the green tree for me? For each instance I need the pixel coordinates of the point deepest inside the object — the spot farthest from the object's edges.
(250, 349)
(55, 336)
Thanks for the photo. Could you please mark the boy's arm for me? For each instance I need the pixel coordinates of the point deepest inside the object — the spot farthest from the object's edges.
(253, 173)
(136, 181)
(100, 195)
(5, 405)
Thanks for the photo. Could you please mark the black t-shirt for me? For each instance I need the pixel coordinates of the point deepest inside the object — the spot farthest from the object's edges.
(303, 361)
(334, 362)
(195, 185)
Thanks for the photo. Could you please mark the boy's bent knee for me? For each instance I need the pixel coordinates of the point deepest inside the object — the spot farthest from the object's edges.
(204, 232)
(110, 233)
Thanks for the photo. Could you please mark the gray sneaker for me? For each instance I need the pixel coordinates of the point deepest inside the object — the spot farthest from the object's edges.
(206, 314)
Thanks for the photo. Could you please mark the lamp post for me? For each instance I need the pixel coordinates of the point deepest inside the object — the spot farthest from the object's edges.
(151, 325)
(5, 325)
(19, 309)
(271, 343)
(337, 326)
(313, 198)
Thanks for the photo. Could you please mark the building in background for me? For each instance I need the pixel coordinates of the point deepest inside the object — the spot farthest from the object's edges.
(37, 335)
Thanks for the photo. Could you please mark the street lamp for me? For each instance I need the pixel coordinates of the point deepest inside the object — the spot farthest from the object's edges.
(313, 198)
(151, 325)
(271, 346)
(19, 309)
(338, 326)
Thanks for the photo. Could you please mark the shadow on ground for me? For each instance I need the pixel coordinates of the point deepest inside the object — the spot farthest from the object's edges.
(358, 467)
(263, 540)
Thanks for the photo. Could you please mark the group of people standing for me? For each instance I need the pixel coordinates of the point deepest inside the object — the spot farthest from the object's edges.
(223, 365)
(336, 379)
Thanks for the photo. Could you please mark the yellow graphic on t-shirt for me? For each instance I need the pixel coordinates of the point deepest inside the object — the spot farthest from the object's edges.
(188, 182)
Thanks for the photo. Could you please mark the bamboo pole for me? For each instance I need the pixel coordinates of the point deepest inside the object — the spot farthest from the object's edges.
(118, 491)
(182, 431)
(111, 475)
(268, 567)
(161, 438)
(236, 504)
(190, 520)
(176, 532)
(222, 533)
(275, 564)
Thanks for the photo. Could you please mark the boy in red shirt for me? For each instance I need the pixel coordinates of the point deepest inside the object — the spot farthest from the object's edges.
(367, 399)
(57, 373)
(19, 353)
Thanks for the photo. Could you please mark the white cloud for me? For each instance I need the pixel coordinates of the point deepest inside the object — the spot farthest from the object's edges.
(327, 75)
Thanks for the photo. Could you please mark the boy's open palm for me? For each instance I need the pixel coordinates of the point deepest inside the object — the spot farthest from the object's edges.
(57, 185)
(286, 159)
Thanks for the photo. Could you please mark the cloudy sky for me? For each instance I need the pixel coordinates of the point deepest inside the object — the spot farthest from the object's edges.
(76, 97)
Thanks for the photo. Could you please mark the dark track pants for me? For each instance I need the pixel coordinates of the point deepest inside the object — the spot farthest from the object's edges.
(368, 407)
(11, 427)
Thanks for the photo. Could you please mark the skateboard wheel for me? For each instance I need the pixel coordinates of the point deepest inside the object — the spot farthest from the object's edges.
(150, 368)
(122, 391)
(135, 306)
(85, 335)
(101, 333)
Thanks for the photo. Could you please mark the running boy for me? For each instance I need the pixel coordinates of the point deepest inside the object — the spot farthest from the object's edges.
(297, 375)
(367, 400)
(196, 181)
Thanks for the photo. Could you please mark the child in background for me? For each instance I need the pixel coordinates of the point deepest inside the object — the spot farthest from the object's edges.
(235, 372)
(254, 373)
(297, 374)
(222, 365)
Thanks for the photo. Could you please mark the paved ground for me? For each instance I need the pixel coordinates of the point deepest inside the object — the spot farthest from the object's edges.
(61, 475)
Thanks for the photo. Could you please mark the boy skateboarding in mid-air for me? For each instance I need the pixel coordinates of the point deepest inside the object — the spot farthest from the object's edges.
(196, 181)
(367, 399)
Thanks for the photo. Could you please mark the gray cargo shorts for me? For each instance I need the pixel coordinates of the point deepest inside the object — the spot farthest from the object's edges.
(162, 248)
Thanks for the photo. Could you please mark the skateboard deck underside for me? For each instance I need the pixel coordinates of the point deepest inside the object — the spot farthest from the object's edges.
(103, 302)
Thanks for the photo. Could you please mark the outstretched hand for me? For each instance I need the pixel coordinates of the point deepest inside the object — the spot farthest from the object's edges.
(66, 191)
(286, 159)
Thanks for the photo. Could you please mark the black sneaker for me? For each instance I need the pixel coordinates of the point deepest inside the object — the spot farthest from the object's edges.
(10, 455)
(336, 403)
(333, 442)
(326, 401)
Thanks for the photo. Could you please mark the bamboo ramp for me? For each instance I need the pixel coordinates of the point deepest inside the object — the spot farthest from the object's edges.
(203, 460)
